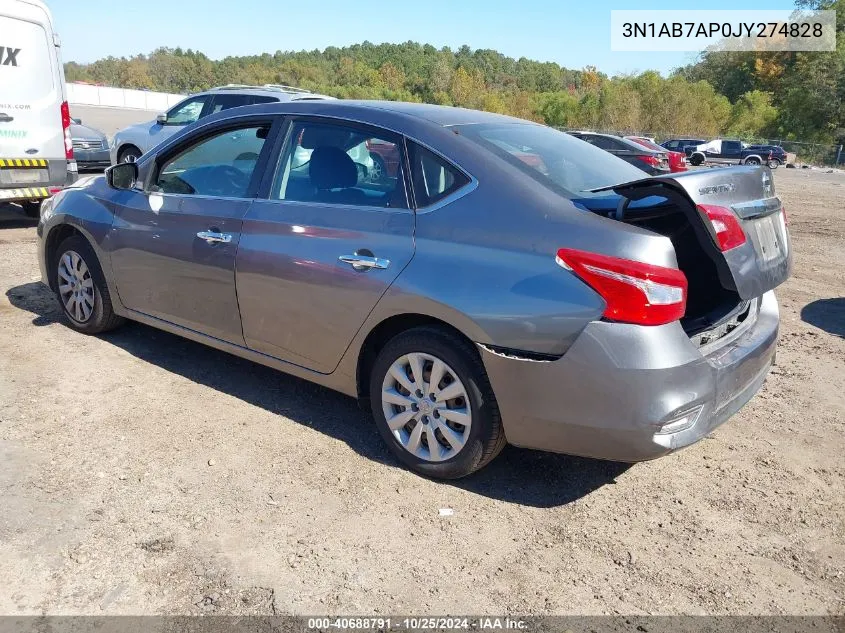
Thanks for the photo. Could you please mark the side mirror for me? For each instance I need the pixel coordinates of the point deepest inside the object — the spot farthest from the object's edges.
(77, 121)
(161, 119)
(122, 176)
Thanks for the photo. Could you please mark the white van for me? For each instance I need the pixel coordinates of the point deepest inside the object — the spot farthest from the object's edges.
(36, 153)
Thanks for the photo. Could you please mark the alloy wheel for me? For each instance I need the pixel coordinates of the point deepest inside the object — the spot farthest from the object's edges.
(426, 407)
(76, 287)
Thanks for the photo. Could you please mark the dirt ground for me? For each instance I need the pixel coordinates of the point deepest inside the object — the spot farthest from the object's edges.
(142, 473)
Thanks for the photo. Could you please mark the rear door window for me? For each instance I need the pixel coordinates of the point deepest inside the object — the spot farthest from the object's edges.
(433, 177)
(225, 101)
(333, 163)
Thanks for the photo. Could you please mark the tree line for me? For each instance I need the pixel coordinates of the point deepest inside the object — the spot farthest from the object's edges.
(797, 96)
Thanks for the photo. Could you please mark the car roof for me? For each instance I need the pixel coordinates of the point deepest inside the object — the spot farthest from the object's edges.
(282, 92)
(376, 112)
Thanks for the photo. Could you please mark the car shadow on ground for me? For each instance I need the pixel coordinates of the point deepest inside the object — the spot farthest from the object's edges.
(826, 314)
(520, 476)
(13, 217)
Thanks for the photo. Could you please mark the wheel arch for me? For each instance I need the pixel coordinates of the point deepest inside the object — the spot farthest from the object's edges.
(382, 333)
(123, 147)
(755, 156)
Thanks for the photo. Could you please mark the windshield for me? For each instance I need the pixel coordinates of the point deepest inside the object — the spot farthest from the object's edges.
(563, 163)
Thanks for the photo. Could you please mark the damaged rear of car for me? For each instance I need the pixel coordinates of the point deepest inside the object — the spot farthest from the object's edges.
(688, 329)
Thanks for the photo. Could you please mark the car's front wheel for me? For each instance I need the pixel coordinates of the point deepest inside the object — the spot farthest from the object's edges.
(81, 287)
(129, 154)
(433, 404)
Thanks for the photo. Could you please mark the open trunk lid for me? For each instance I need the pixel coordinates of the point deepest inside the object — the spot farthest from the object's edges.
(754, 267)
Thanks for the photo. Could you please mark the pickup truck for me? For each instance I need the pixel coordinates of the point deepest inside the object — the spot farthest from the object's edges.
(727, 152)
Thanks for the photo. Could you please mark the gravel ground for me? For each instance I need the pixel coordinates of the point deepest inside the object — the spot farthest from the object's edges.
(142, 473)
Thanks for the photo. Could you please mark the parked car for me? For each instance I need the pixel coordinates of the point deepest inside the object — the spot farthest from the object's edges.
(473, 299)
(652, 162)
(36, 155)
(727, 152)
(130, 143)
(778, 154)
(677, 160)
(684, 145)
(90, 146)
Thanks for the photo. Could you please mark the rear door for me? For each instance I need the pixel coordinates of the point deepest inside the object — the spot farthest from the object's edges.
(315, 258)
(764, 260)
(31, 96)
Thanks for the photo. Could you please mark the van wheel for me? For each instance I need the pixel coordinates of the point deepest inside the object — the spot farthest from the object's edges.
(128, 154)
(32, 209)
(81, 287)
(433, 404)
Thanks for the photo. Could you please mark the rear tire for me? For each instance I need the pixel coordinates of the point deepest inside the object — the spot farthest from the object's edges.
(482, 437)
(774, 163)
(752, 160)
(32, 209)
(696, 159)
(81, 289)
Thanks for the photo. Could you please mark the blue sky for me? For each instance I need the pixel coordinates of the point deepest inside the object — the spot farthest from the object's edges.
(574, 34)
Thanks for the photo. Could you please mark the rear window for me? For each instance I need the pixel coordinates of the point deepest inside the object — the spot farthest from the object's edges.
(555, 159)
(26, 73)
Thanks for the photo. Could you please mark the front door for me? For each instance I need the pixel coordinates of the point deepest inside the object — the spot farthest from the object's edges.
(315, 257)
(174, 244)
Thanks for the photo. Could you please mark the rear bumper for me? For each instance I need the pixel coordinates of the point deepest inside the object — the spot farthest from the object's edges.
(56, 173)
(618, 384)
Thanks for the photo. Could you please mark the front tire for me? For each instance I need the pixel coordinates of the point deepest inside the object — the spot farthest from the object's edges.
(81, 289)
(696, 160)
(433, 404)
(129, 154)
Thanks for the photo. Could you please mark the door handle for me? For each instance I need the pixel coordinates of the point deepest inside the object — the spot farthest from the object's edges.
(364, 262)
(214, 237)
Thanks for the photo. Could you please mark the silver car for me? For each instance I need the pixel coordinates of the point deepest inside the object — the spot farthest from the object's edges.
(500, 281)
(131, 142)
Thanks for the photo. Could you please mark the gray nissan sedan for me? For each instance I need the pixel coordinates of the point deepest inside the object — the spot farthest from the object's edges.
(493, 281)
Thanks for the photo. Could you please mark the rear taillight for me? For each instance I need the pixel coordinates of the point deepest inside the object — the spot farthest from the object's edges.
(66, 129)
(650, 160)
(635, 292)
(729, 233)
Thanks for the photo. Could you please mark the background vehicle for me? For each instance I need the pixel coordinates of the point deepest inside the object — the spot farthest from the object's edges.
(778, 154)
(677, 160)
(90, 146)
(36, 155)
(131, 142)
(684, 145)
(650, 161)
(479, 297)
(727, 152)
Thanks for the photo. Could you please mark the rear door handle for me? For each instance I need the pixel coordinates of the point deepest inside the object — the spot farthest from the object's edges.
(364, 262)
(213, 237)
